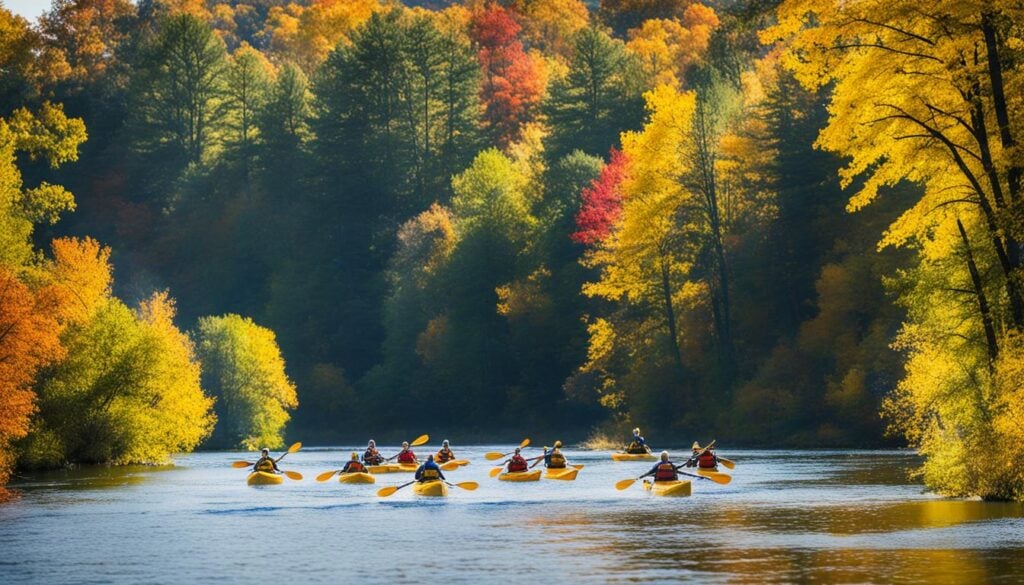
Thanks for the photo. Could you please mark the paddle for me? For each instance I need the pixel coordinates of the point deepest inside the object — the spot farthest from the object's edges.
(466, 485)
(493, 455)
(720, 478)
(295, 475)
(494, 472)
(327, 475)
(728, 463)
(242, 464)
(387, 491)
(453, 464)
(419, 441)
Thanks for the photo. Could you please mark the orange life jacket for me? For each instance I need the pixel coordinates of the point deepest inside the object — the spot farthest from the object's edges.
(444, 456)
(707, 460)
(666, 472)
(556, 460)
(407, 457)
(354, 467)
(517, 463)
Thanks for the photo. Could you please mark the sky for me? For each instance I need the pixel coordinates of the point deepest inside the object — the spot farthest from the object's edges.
(30, 9)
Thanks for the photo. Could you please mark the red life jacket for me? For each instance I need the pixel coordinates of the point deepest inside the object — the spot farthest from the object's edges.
(444, 456)
(517, 463)
(355, 467)
(407, 457)
(707, 460)
(666, 472)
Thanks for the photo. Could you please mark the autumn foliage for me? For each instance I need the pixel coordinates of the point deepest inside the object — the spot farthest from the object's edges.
(601, 202)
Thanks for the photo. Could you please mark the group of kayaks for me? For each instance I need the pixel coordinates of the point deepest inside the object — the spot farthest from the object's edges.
(439, 487)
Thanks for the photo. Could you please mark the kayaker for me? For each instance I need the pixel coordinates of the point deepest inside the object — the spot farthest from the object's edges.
(372, 456)
(354, 465)
(554, 459)
(406, 456)
(664, 470)
(445, 454)
(703, 458)
(517, 463)
(638, 445)
(266, 463)
(429, 471)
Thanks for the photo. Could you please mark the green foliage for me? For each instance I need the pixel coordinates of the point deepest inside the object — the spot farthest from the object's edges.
(244, 370)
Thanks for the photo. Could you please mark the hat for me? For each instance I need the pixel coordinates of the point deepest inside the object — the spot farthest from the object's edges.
(696, 446)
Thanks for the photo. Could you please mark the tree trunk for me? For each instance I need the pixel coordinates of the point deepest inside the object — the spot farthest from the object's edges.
(979, 291)
(670, 314)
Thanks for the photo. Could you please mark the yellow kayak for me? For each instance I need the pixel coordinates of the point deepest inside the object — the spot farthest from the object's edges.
(356, 477)
(633, 457)
(383, 468)
(435, 488)
(563, 473)
(264, 478)
(407, 467)
(521, 475)
(677, 488)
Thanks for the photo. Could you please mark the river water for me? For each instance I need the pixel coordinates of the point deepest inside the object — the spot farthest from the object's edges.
(787, 517)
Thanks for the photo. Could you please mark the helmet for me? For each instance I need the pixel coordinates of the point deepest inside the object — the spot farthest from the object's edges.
(696, 446)
(355, 456)
(558, 444)
(664, 455)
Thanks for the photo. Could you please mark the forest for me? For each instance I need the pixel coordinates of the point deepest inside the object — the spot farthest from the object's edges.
(777, 223)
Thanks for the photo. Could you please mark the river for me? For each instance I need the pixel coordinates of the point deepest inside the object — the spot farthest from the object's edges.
(787, 517)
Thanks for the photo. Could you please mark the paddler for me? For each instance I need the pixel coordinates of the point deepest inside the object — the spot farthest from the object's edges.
(372, 456)
(638, 446)
(517, 463)
(429, 471)
(406, 456)
(554, 459)
(354, 465)
(266, 463)
(445, 454)
(703, 458)
(663, 470)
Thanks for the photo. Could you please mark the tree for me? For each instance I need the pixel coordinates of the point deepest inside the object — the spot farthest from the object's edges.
(176, 92)
(668, 48)
(87, 34)
(512, 85)
(242, 366)
(596, 100)
(246, 83)
(624, 15)
(601, 202)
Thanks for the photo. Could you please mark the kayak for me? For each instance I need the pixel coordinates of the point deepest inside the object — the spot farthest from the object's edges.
(356, 477)
(521, 475)
(407, 467)
(435, 488)
(564, 473)
(383, 468)
(633, 457)
(703, 470)
(264, 478)
(677, 488)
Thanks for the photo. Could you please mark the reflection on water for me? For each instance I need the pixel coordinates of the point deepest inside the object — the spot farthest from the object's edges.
(787, 517)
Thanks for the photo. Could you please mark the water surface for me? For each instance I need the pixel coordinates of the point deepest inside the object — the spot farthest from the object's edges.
(787, 517)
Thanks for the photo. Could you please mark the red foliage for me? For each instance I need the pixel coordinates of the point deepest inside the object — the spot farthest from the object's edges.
(512, 86)
(601, 203)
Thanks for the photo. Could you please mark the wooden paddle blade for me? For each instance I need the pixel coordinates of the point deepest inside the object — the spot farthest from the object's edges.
(387, 491)
(295, 447)
(294, 475)
(496, 471)
(493, 456)
(468, 485)
(727, 463)
(326, 475)
(241, 464)
(420, 440)
(624, 484)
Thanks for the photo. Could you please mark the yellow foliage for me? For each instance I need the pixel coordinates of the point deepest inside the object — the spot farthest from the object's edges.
(305, 35)
(667, 48)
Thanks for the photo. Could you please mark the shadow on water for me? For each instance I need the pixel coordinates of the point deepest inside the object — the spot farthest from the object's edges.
(87, 477)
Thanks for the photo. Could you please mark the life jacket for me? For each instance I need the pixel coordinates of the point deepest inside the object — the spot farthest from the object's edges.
(373, 457)
(407, 457)
(707, 460)
(444, 456)
(429, 474)
(636, 447)
(556, 460)
(517, 463)
(266, 465)
(666, 472)
(354, 467)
